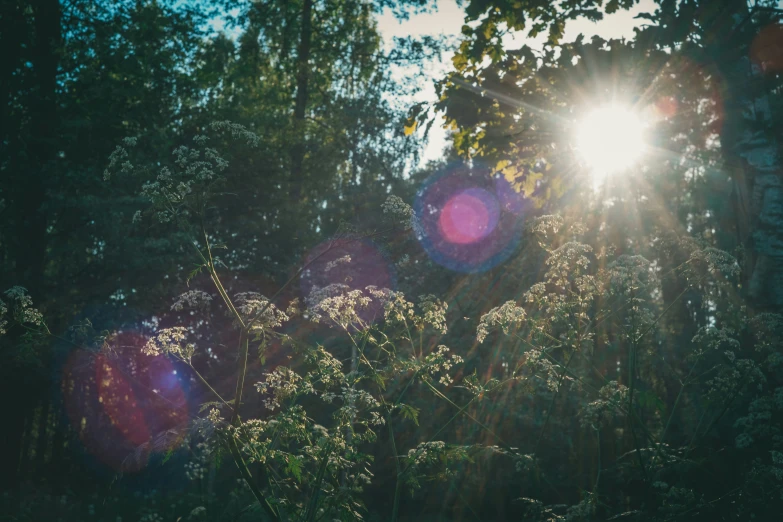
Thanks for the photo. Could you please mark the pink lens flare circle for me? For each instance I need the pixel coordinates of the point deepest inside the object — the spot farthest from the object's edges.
(469, 216)
(124, 404)
(461, 223)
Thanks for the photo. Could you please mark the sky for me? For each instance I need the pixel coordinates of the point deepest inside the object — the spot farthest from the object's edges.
(447, 20)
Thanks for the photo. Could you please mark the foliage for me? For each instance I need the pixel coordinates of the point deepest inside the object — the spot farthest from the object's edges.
(623, 364)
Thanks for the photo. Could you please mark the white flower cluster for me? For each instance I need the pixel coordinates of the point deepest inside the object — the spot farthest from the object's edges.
(281, 384)
(293, 308)
(740, 375)
(197, 169)
(525, 462)
(21, 308)
(338, 303)
(567, 261)
(717, 260)
(434, 312)
(716, 338)
(328, 369)
(237, 131)
(629, 273)
(537, 361)
(439, 361)
(359, 397)
(214, 417)
(376, 419)
(505, 316)
(119, 156)
(250, 304)
(426, 452)
(166, 188)
(192, 299)
(353, 401)
(546, 225)
(337, 262)
(396, 308)
(197, 468)
(395, 205)
(170, 341)
(403, 212)
(536, 292)
(318, 293)
(611, 398)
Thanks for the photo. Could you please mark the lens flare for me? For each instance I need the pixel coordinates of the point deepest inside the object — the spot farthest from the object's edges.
(610, 139)
(461, 224)
(469, 216)
(121, 402)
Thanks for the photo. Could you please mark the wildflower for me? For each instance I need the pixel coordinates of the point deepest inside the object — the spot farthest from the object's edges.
(293, 308)
(281, 384)
(22, 307)
(194, 299)
(504, 316)
(396, 307)
(340, 261)
(717, 260)
(214, 416)
(611, 398)
(169, 341)
(434, 312)
(439, 361)
(546, 225)
(629, 273)
(403, 212)
(251, 304)
(337, 303)
(395, 205)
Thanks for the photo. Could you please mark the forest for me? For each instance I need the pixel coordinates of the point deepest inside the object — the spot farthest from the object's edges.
(239, 281)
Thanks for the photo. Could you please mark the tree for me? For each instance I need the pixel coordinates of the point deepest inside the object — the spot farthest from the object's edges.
(79, 77)
(515, 111)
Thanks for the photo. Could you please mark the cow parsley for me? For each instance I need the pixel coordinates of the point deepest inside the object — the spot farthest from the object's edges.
(505, 316)
(192, 299)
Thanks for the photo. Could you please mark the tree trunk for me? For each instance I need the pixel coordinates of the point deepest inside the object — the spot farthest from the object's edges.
(42, 440)
(32, 169)
(300, 105)
(42, 146)
(13, 33)
(752, 157)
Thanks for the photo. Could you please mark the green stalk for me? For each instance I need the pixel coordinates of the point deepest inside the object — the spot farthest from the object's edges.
(241, 371)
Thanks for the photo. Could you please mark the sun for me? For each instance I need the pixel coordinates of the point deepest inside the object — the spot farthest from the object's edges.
(610, 139)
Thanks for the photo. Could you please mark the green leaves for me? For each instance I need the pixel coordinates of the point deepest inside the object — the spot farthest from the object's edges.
(193, 273)
(409, 412)
(415, 113)
(294, 466)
